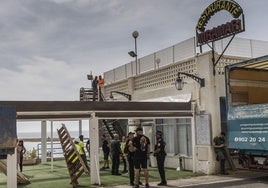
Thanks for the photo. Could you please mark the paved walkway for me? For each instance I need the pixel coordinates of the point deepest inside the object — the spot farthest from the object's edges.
(199, 180)
(189, 181)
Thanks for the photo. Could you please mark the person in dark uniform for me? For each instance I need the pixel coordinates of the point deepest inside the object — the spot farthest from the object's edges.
(160, 154)
(116, 153)
(106, 151)
(130, 156)
(219, 144)
(141, 148)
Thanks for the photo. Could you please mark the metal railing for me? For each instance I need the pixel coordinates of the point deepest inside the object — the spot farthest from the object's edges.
(57, 150)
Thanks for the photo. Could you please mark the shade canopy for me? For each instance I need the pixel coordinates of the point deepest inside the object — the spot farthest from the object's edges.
(73, 110)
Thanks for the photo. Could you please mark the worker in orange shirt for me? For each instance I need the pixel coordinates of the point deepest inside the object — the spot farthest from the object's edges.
(100, 85)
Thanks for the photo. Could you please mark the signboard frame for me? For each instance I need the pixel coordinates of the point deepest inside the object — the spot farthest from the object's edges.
(237, 25)
(203, 129)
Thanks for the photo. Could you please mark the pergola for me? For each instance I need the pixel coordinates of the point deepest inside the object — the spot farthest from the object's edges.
(93, 111)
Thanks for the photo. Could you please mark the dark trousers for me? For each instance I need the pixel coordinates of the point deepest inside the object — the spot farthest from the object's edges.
(115, 164)
(84, 157)
(222, 165)
(160, 158)
(95, 94)
(221, 158)
(131, 169)
(124, 163)
(20, 163)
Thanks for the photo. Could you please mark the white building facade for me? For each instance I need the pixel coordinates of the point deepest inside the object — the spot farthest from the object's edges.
(189, 140)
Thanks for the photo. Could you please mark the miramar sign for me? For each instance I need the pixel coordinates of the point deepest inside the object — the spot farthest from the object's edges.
(222, 31)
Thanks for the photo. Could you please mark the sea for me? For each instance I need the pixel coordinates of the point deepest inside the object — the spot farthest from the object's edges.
(36, 145)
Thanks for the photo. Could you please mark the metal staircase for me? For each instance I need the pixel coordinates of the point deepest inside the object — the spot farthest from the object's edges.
(113, 127)
(108, 127)
(75, 164)
(86, 94)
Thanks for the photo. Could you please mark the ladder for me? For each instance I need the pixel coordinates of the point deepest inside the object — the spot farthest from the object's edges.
(74, 161)
(21, 178)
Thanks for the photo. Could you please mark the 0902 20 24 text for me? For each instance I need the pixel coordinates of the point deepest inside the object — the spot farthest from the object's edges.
(249, 139)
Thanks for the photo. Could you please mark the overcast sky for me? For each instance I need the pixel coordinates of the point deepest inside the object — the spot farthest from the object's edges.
(48, 47)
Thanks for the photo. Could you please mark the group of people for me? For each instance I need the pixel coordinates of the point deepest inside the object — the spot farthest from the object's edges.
(97, 84)
(134, 150)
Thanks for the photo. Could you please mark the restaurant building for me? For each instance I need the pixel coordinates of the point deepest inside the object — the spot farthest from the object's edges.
(153, 77)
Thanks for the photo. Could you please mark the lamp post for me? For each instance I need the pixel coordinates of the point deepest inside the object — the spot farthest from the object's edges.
(135, 35)
(179, 81)
(128, 96)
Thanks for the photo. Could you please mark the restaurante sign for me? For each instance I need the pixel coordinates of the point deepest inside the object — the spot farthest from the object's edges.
(222, 31)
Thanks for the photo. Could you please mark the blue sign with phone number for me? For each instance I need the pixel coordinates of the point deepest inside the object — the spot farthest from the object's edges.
(248, 127)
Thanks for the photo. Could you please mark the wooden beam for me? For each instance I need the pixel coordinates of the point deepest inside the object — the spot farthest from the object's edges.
(56, 110)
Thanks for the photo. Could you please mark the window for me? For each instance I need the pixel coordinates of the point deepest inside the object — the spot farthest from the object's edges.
(184, 144)
(177, 135)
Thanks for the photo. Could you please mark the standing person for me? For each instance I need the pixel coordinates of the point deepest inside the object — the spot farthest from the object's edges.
(219, 144)
(82, 151)
(115, 153)
(20, 152)
(95, 87)
(123, 156)
(141, 148)
(160, 154)
(100, 85)
(88, 147)
(106, 151)
(130, 158)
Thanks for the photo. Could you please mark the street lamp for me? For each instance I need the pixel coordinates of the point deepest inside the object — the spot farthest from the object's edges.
(179, 81)
(133, 54)
(128, 96)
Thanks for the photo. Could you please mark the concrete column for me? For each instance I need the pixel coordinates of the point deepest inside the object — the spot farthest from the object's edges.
(80, 127)
(51, 136)
(193, 137)
(43, 142)
(94, 150)
(12, 170)
(131, 86)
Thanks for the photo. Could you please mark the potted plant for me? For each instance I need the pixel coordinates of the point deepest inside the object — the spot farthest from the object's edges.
(29, 157)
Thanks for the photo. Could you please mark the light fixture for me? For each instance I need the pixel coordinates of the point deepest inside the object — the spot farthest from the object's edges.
(135, 34)
(90, 77)
(157, 62)
(128, 96)
(179, 82)
(132, 54)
